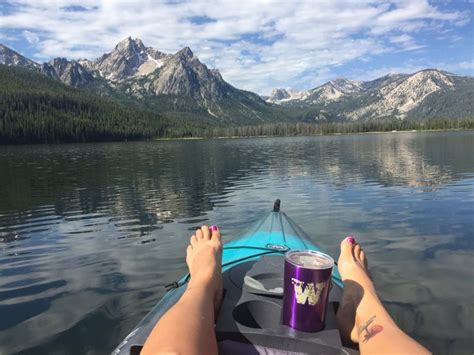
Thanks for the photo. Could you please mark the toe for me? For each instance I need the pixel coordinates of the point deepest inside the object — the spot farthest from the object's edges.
(357, 250)
(346, 248)
(199, 235)
(189, 250)
(193, 240)
(216, 234)
(205, 232)
(363, 258)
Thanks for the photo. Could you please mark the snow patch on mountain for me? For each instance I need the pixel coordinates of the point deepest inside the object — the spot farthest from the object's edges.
(130, 58)
(140, 71)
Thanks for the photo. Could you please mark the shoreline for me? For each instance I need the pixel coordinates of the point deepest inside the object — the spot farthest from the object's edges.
(237, 137)
(313, 135)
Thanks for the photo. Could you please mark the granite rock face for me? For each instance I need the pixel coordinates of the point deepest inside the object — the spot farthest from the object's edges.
(182, 80)
(130, 58)
(10, 57)
(390, 96)
(69, 72)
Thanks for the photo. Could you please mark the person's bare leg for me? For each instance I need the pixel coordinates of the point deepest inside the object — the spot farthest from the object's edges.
(188, 327)
(371, 325)
(347, 307)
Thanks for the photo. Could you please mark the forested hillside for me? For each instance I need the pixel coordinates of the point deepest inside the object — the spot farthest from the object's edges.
(424, 95)
(37, 109)
(455, 104)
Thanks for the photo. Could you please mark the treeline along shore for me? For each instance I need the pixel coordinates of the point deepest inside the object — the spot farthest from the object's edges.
(37, 109)
(310, 129)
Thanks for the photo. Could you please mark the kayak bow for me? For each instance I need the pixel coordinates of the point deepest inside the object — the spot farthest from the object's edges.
(252, 266)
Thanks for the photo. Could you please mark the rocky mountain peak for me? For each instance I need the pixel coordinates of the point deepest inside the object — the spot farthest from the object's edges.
(392, 95)
(439, 76)
(427, 80)
(340, 81)
(10, 57)
(130, 45)
(334, 90)
(217, 73)
(183, 74)
(345, 86)
(60, 62)
(404, 94)
(136, 70)
(185, 53)
(69, 72)
(382, 81)
(129, 58)
(281, 95)
(432, 71)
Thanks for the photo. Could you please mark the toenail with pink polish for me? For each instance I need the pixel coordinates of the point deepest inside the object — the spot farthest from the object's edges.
(213, 228)
(350, 239)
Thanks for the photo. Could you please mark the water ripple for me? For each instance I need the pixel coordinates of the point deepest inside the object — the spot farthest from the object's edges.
(89, 239)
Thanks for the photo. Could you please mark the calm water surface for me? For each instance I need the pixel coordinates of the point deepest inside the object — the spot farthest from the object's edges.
(89, 234)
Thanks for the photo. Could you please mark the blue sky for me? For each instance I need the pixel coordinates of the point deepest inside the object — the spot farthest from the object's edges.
(257, 45)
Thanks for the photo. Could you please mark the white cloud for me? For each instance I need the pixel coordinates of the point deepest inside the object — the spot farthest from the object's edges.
(412, 67)
(467, 65)
(404, 38)
(404, 68)
(31, 37)
(405, 42)
(4, 37)
(256, 45)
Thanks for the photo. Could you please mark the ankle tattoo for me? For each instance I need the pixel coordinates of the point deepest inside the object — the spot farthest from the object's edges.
(370, 329)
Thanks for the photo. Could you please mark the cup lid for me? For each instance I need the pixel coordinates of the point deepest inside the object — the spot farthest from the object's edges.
(309, 259)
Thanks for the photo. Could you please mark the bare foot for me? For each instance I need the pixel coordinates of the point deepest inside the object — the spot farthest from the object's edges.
(352, 265)
(203, 256)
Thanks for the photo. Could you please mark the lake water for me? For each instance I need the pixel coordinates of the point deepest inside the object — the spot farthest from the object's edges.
(89, 234)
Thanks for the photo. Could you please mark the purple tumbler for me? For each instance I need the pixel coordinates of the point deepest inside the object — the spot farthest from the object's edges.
(306, 288)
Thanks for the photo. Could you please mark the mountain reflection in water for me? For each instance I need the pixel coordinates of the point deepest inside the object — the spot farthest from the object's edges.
(90, 233)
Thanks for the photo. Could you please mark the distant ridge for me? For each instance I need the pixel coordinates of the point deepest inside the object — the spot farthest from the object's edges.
(400, 96)
(141, 72)
(180, 85)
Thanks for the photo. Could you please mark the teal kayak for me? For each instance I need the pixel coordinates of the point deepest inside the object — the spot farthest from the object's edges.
(249, 316)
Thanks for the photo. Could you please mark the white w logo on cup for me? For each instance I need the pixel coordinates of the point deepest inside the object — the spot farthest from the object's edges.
(309, 293)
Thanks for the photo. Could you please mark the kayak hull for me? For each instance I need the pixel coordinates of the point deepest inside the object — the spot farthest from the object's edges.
(251, 315)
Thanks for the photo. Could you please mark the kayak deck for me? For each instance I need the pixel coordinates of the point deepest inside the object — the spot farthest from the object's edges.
(251, 315)
(274, 234)
(252, 275)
